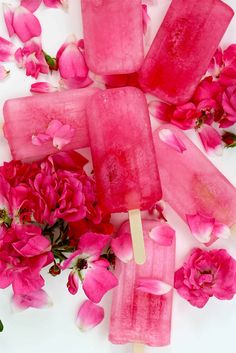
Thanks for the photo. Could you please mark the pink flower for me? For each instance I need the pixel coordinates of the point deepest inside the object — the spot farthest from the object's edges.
(21, 22)
(31, 58)
(71, 62)
(89, 316)
(211, 139)
(217, 64)
(24, 252)
(7, 50)
(43, 87)
(3, 72)
(229, 105)
(185, 116)
(91, 267)
(37, 299)
(206, 274)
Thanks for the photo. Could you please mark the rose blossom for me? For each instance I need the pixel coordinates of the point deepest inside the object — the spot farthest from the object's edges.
(206, 274)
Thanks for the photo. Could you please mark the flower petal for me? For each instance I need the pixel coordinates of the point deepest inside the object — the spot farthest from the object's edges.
(89, 316)
(160, 110)
(92, 244)
(162, 234)
(63, 136)
(73, 83)
(168, 137)
(221, 230)
(7, 50)
(37, 299)
(3, 72)
(56, 3)
(25, 24)
(72, 63)
(122, 246)
(97, 282)
(211, 139)
(8, 17)
(40, 139)
(153, 286)
(73, 282)
(43, 87)
(31, 5)
(34, 246)
(146, 18)
(201, 226)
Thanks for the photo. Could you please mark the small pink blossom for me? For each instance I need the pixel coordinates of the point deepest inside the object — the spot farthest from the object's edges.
(37, 299)
(206, 274)
(43, 87)
(3, 72)
(7, 50)
(168, 137)
(71, 62)
(153, 286)
(89, 316)
(211, 139)
(21, 22)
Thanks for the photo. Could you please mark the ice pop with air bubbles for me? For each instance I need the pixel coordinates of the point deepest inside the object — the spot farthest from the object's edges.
(123, 154)
(191, 184)
(41, 125)
(183, 47)
(113, 35)
(139, 316)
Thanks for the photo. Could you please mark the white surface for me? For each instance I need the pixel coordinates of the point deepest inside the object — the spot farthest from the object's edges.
(211, 329)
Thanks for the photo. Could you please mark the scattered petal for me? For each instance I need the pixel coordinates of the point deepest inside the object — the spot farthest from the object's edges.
(160, 110)
(122, 246)
(38, 299)
(153, 286)
(71, 62)
(7, 50)
(8, 17)
(92, 244)
(31, 5)
(162, 234)
(168, 137)
(25, 24)
(221, 230)
(201, 226)
(43, 87)
(211, 139)
(74, 83)
(56, 3)
(89, 316)
(3, 72)
(73, 282)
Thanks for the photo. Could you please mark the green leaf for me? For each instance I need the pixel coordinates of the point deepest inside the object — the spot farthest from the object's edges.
(52, 62)
(1, 326)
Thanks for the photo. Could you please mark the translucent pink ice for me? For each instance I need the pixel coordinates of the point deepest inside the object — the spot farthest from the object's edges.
(123, 150)
(183, 47)
(29, 116)
(191, 184)
(113, 35)
(137, 316)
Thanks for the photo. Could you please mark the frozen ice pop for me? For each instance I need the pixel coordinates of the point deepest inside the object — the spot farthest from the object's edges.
(123, 152)
(183, 47)
(113, 35)
(34, 125)
(191, 183)
(137, 316)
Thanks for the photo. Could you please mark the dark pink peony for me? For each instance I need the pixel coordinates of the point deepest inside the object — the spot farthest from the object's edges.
(206, 274)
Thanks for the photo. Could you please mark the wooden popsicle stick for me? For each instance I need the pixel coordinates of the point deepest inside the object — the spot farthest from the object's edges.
(233, 229)
(136, 230)
(138, 348)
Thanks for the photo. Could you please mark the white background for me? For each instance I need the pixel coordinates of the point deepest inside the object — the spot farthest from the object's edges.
(211, 329)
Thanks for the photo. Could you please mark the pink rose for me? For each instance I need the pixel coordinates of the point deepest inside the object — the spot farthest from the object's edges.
(229, 105)
(206, 274)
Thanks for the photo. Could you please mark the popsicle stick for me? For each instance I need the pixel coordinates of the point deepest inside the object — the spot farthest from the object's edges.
(138, 348)
(233, 229)
(137, 236)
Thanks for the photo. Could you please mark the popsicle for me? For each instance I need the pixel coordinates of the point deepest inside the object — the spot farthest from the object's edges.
(191, 184)
(183, 47)
(40, 125)
(123, 156)
(113, 35)
(141, 317)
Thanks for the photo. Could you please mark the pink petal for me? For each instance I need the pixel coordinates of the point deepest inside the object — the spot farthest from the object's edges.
(73, 83)
(89, 316)
(71, 261)
(53, 127)
(211, 139)
(8, 17)
(43, 87)
(56, 3)
(7, 50)
(221, 230)
(162, 234)
(3, 72)
(229, 54)
(168, 137)
(36, 245)
(63, 136)
(92, 244)
(25, 24)
(31, 5)
(37, 299)
(216, 63)
(153, 286)
(71, 63)
(146, 18)
(73, 282)
(40, 139)
(201, 226)
(160, 110)
(97, 282)
(122, 246)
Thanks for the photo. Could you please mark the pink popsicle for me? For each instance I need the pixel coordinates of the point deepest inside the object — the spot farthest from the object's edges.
(183, 47)
(137, 316)
(191, 183)
(113, 35)
(29, 118)
(122, 150)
